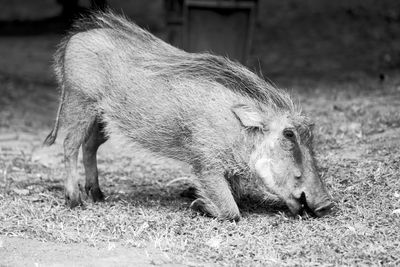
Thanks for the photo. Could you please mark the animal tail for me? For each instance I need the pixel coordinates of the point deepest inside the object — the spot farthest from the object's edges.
(51, 138)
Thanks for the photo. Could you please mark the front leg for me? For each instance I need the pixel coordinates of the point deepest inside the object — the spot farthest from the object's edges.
(215, 198)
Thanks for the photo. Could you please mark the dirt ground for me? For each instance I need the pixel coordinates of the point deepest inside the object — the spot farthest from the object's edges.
(340, 62)
(26, 252)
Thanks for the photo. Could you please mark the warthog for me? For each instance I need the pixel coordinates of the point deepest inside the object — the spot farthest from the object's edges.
(203, 109)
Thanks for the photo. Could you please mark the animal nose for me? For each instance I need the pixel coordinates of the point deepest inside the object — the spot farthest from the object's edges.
(324, 209)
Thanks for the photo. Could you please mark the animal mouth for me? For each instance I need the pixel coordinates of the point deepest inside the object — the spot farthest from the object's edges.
(297, 206)
(318, 212)
(304, 206)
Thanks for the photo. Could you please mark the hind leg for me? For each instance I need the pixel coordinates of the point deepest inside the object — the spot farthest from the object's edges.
(78, 117)
(72, 143)
(94, 139)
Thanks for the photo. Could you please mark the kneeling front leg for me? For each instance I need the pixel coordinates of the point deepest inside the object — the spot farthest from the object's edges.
(216, 198)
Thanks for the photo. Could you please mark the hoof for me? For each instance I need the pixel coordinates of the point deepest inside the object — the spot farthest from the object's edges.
(234, 218)
(73, 196)
(199, 206)
(206, 207)
(95, 193)
(73, 201)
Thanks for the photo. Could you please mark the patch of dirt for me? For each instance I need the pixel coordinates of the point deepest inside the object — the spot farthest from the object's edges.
(16, 251)
(386, 139)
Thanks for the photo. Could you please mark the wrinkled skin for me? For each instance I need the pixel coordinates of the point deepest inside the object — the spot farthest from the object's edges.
(286, 164)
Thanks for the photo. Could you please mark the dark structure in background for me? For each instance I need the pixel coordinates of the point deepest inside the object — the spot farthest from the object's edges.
(323, 39)
(174, 19)
(70, 8)
(224, 27)
(56, 23)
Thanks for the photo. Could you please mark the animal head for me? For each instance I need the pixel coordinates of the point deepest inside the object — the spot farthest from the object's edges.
(283, 158)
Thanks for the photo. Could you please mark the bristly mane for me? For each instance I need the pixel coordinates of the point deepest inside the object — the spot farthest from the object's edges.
(172, 61)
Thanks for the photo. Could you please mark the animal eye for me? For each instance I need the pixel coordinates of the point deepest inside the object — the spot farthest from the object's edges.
(288, 134)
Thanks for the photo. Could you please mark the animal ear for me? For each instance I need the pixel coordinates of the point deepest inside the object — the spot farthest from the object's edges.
(248, 116)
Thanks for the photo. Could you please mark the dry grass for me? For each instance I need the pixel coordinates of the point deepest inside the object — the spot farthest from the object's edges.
(357, 147)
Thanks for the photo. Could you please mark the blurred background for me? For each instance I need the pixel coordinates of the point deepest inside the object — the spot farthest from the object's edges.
(296, 39)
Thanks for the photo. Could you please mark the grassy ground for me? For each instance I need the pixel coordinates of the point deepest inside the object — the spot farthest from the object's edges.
(357, 145)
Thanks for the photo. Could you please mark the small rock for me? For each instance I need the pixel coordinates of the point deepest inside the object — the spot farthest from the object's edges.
(214, 242)
(396, 211)
(111, 246)
(21, 192)
(352, 128)
(351, 228)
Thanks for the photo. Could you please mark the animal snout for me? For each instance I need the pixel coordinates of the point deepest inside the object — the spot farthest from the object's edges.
(316, 209)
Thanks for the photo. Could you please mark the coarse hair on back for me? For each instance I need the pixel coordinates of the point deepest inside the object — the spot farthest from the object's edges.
(91, 21)
(172, 62)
